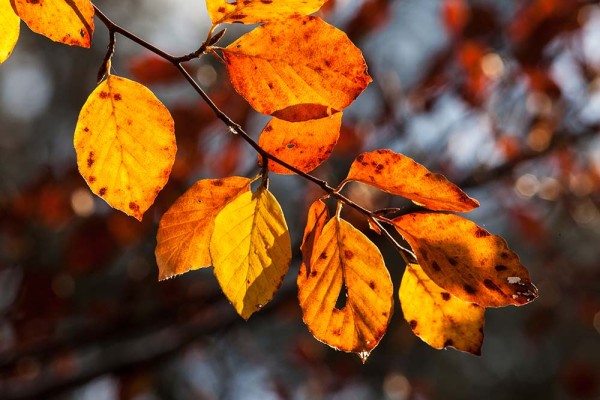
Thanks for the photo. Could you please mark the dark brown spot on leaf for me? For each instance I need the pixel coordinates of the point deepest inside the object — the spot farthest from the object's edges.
(500, 267)
(348, 254)
(436, 266)
(117, 96)
(479, 233)
(92, 179)
(446, 296)
(217, 182)
(313, 273)
(90, 160)
(102, 191)
(448, 342)
(452, 261)
(413, 324)
(491, 285)
(469, 289)
(103, 95)
(372, 285)
(323, 255)
(86, 129)
(134, 207)
(221, 9)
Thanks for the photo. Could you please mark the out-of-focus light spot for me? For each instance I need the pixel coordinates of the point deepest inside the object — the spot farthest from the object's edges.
(586, 213)
(206, 75)
(138, 269)
(527, 185)
(539, 138)
(596, 321)
(538, 103)
(82, 202)
(580, 185)
(396, 387)
(28, 368)
(492, 66)
(550, 189)
(585, 14)
(63, 285)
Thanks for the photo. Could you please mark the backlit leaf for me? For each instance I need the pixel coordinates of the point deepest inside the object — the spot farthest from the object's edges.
(65, 21)
(256, 11)
(125, 144)
(402, 176)
(185, 230)
(342, 255)
(304, 145)
(298, 69)
(437, 317)
(250, 250)
(9, 29)
(466, 260)
(318, 215)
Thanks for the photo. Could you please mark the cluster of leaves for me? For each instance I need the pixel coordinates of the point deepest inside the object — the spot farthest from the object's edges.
(303, 72)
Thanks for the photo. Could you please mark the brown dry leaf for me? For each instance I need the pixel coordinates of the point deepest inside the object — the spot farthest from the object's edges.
(69, 22)
(402, 176)
(257, 11)
(186, 228)
(437, 317)
(342, 255)
(125, 144)
(9, 29)
(304, 145)
(250, 250)
(298, 69)
(466, 260)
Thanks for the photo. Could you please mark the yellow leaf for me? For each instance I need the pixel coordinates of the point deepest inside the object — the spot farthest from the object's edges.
(185, 229)
(402, 176)
(256, 11)
(304, 145)
(65, 21)
(437, 317)
(125, 144)
(250, 250)
(342, 255)
(298, 69)
(467, 260)
(9, 29)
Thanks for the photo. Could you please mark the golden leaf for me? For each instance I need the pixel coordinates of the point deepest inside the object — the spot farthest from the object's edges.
(70, 22)
(304, 145)
(342, 255)
(125, 144)
(437, 317)
(402, 176)
(256, 11)
(467, 260)
(298, 69)
(185, 229)
(250, 250)
(9, 29)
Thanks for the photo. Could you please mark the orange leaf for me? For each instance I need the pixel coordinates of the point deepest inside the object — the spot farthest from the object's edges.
(436, 316)
(317, 218)
(298, 69)
(185, 229)
(304, 145)
(466, 260)
(9, 29)
(69, 22)
(256, 11)
(125, 144)
(402, 176)
(343, 255)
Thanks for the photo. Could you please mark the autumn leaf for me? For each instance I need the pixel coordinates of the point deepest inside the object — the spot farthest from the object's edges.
(250, 250)
(342, 255)
(437, 317)
(304, 145)
(69, 22)
(298, 69)
(467, 260)
(256, 11)
(125, 144)
(9, 29)
(186, 228)
(318, 215)
(402, 176)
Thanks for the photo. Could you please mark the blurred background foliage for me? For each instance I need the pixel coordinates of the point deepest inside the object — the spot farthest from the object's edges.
(503, 97)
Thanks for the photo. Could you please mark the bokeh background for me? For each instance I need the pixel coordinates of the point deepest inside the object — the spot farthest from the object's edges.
(503, 97)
